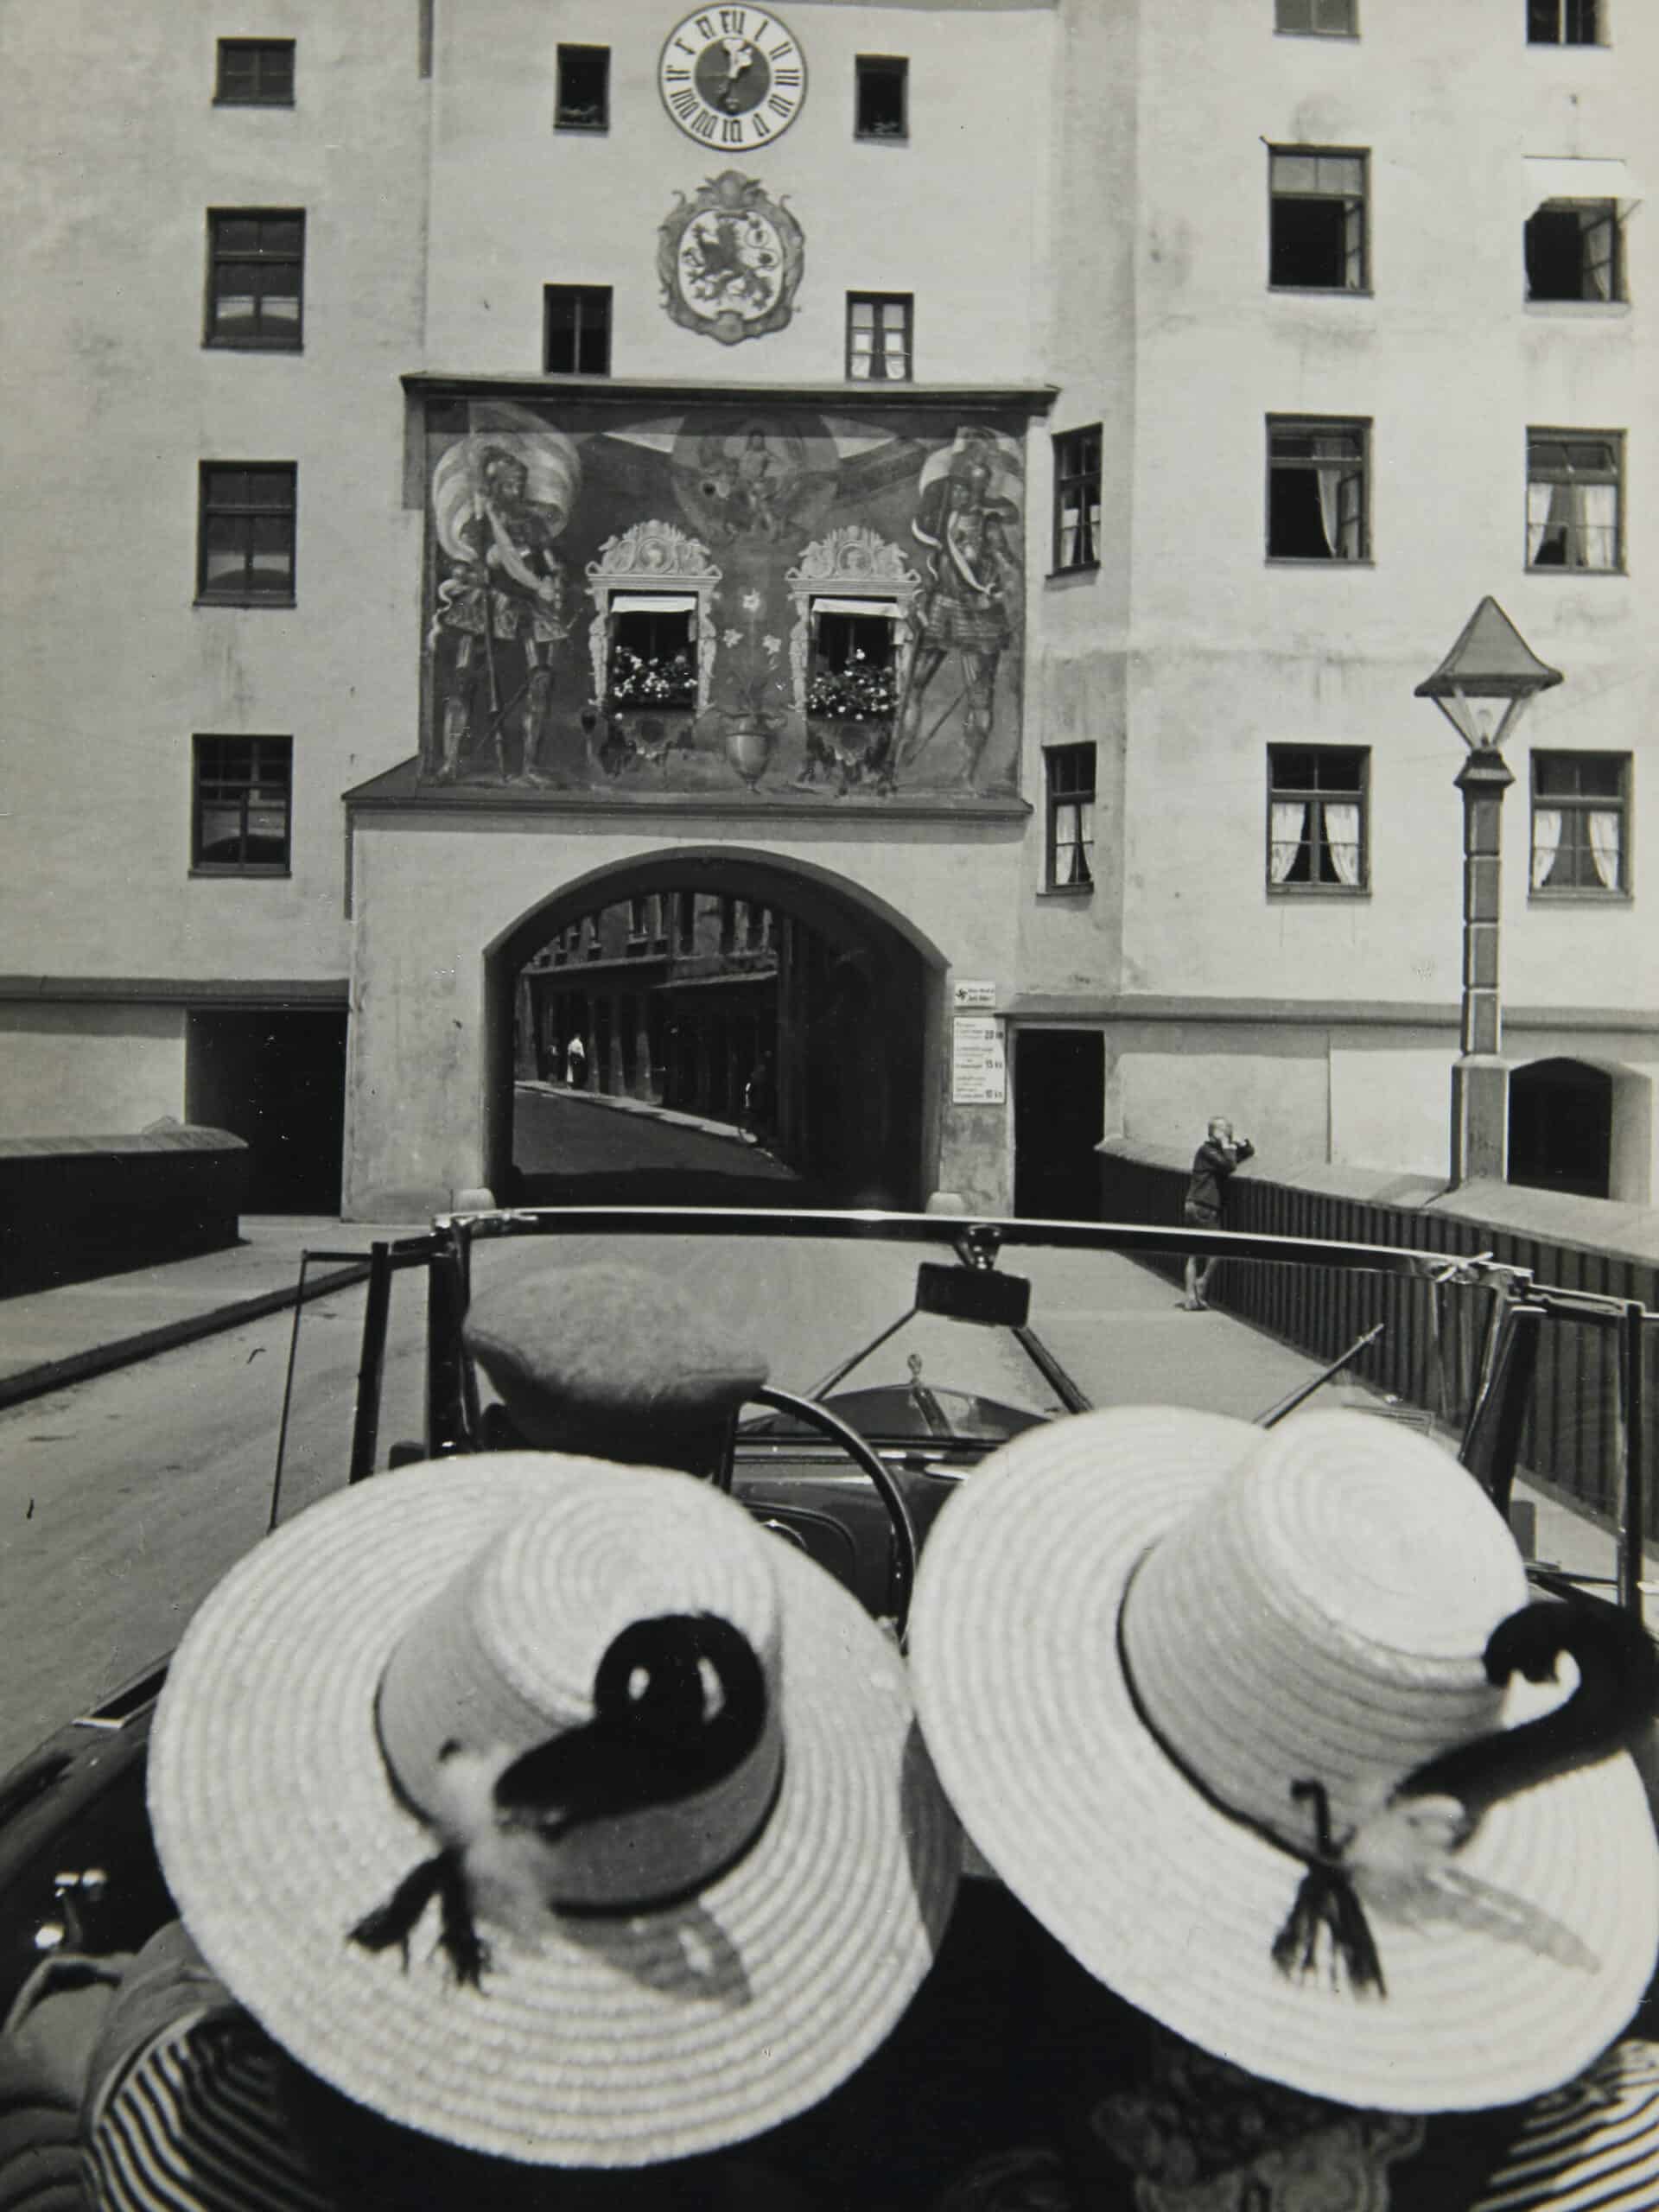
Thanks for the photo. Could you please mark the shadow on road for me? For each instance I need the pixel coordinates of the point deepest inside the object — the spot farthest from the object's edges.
(666, 1187)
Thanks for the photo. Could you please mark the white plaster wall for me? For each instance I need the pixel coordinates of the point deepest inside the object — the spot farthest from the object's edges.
(1166, 1079)
(1231, 653)
(952, 215)
(89, 1071)
(434, 899)
(113, 152)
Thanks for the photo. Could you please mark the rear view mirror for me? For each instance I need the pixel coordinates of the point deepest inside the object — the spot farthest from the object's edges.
(996, 1301)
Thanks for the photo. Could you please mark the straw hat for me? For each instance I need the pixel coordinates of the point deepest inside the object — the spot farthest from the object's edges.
(721, 1949)
(1173, 1672)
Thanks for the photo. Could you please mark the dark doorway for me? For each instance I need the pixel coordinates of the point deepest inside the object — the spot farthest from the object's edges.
(277, 1080)
(750, 1038)
(1060, 1112)
(1561, 1128)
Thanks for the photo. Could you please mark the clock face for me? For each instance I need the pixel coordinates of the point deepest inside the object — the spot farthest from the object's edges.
(732, 77)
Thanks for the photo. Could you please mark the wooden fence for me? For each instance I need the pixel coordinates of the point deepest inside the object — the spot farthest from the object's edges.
(1429, 1352)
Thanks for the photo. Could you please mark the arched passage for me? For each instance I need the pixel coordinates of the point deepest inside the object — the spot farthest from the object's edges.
(684, 974)
(1561, 1127)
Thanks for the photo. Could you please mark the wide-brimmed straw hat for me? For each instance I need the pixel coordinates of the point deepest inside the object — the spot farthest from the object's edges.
(552, 1807)
(1175, 1673)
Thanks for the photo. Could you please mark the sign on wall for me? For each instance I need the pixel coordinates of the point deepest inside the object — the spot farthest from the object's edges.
(969, 994)
(979, 1069)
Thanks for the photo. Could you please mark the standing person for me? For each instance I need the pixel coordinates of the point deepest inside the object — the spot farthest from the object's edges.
(1345, 1885)
(1215, 1161)
(575, 1063)
(543, 1836)
(759, 1101)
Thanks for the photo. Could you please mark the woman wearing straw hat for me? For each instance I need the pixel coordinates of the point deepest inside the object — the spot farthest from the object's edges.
(1264, 1732)
(543, 1831)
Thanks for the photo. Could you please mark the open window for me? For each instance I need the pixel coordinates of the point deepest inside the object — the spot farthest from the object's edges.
(652, 650)
(1317, 199)
(1575, 251)
(1317, 507)
(853, 660)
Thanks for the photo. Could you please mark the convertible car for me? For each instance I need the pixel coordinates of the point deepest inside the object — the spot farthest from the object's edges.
(912, 1346)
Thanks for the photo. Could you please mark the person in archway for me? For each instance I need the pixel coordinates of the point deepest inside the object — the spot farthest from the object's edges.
(1213, 1164)
(575, 1063)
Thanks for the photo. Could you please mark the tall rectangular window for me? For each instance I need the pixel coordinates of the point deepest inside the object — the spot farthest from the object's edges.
(1573, 499)
(1563, 22)
(255, 73)
(243, 787)
(1326, 18)
(1574, 250)
(1316, 488)
(881, 91)
(879, 336)
(1580, 819)
(1070, 774)
(1317, 217)
(584, 94)
(577, 330)
(1076, 498)
(246, 531)
(256, 263)
(1317, 834)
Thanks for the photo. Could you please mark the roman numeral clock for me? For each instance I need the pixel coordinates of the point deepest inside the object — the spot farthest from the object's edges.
(732, 77)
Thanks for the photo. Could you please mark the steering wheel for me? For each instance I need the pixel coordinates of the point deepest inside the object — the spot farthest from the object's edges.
(906, 1543)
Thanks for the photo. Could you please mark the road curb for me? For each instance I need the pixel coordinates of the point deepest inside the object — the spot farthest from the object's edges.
(126, 1352)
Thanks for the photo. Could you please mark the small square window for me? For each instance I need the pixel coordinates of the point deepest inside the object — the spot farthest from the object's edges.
(242, 789)
(1317, 825)
(1320, 18)
(577, 330)
(1575, 251)
(1580, 823)
(879, 337)
(255, 73)
(584, 97)
(1573, 499)
(881, 86)
(1076, 498)
(256, 264)
(1070, 774)
(246, 532)
(1317, 217)
(1564, 23)
(1316, 489)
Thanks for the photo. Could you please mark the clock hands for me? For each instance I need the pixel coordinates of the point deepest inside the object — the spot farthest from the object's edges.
(739, 55)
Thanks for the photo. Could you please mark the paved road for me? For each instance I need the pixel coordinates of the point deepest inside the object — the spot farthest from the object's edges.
(562, 1140)
(122, 1500)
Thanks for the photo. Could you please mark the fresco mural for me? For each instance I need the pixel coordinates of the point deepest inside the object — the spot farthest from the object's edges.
(752, 599)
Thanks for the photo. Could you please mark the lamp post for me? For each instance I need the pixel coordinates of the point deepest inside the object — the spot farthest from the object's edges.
(1482, 687)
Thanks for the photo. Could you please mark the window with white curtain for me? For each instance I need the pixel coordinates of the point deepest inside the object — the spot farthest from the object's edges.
(1317, 503)
(1069, 771)
(1317, 817)
(1574, 484)
(1580, 819)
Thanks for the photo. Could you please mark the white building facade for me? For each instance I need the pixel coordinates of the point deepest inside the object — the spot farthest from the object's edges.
(465, 465)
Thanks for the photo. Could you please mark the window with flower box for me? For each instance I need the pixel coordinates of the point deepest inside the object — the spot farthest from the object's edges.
(652, 650)
(853, 670)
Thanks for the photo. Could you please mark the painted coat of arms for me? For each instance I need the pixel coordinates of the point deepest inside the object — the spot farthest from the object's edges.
(730, 260)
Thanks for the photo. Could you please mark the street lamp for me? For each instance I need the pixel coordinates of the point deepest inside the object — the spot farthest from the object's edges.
(1482, 687)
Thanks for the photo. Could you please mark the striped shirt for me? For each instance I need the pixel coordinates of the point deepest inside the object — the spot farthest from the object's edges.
(194, 2123)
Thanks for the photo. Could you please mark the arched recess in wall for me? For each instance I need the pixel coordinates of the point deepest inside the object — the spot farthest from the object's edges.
(1574, 1126)
(859, 996)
